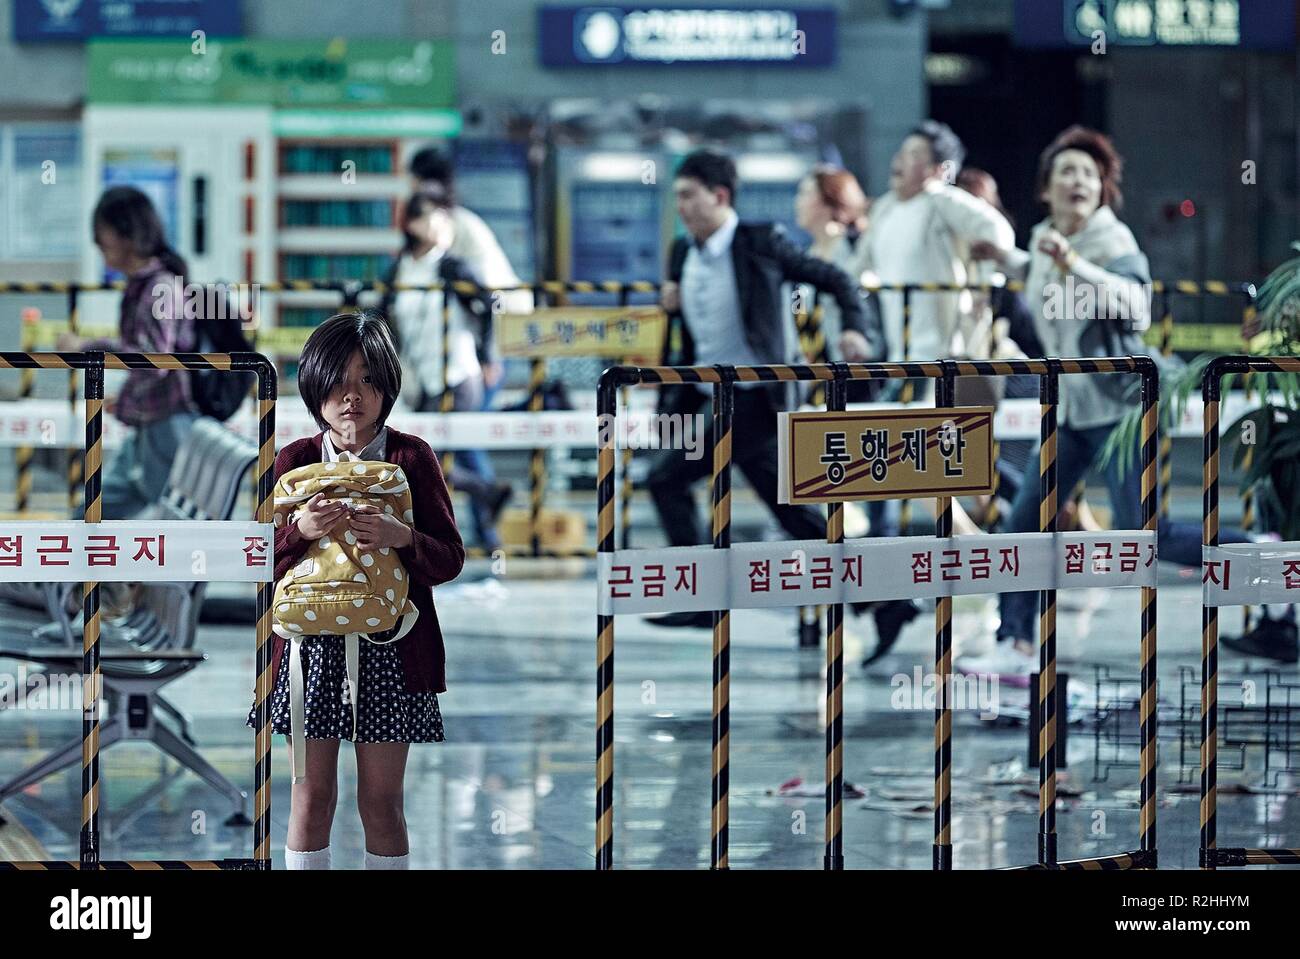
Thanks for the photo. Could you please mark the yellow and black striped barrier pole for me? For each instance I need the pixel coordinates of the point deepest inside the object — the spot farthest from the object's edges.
(723, 405)
(92, 677)
(447, 402)
(905, 396)
(537, 462)
(1148, 703)
(1210, 624)
(24, 455)
(1166, 440)
(626, 467)
(1047, 714)
(836, 400)
(75, 455)
(266, 396)
(1247, 493)
(993, 514)
(606, 411)
(945, 396)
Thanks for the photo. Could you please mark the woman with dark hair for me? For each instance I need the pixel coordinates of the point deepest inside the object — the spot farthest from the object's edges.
(1083, 271)
(416, 318)
(157, 403)
(349, 377)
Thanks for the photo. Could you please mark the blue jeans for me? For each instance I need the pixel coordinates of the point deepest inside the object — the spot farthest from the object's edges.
(137, 475)
(1076, 451)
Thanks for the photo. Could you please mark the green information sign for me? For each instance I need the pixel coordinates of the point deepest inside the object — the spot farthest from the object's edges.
(277, 73)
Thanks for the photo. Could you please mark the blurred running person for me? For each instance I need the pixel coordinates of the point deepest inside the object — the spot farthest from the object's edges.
(1083, 240)
(157, 404)
(921, 231)
(416, 317)
(724, 291)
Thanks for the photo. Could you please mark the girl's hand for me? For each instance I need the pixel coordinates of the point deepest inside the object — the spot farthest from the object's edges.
(68, 342)
(320, 517)
(670, 297)
(376, 529)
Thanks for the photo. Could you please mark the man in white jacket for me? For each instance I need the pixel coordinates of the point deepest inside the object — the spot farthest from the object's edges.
(921, 232)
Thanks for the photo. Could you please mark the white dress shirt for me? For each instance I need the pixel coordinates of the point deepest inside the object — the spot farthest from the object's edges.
(711, 301)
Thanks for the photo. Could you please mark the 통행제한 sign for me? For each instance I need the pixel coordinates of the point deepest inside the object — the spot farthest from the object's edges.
(830, 457)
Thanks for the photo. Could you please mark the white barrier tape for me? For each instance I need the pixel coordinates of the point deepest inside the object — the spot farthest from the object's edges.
(1250, 574)
(49, 422)
(811, 572)
(135, 551)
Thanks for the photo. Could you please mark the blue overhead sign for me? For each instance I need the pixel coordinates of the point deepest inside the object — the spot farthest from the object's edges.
(659, 36)
(75, 21)
(1156, 23)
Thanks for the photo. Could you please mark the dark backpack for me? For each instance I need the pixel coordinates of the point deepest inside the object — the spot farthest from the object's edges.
(218, 393)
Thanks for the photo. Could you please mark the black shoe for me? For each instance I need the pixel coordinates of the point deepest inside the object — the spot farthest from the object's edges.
(700, 620)
(891, 617)
(1270, 638)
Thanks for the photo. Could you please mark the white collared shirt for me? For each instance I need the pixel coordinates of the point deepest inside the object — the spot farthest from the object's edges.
(375, 450)
(711, 301)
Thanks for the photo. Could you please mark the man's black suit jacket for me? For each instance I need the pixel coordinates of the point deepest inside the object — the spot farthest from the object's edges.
(764, 258)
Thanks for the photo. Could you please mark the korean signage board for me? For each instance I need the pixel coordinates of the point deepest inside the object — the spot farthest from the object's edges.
(830, 457)
(582, 331)
(76, 21)
(298, 74)
(1156, 23)
(630, 36)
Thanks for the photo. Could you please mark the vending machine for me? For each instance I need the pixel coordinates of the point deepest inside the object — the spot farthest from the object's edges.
(209, 171)
(613, 216)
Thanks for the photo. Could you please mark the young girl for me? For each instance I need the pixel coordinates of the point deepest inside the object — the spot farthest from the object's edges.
(349, 377)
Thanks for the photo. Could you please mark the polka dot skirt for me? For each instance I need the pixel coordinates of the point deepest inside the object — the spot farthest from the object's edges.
(386, 713)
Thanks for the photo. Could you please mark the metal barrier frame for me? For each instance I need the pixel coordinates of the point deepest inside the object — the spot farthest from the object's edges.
(945, 372)
(94, 363)
(1211, 856)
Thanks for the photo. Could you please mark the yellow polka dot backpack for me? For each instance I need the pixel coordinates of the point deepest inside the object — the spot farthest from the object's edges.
(335, 590)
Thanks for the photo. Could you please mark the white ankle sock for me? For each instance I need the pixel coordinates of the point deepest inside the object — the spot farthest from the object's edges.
(387, 862)
(317, 859)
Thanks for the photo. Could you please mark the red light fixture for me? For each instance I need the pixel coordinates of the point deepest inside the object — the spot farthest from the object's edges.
(1187, 208)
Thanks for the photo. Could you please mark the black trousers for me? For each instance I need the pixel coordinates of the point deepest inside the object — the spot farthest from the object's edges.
(753, 448)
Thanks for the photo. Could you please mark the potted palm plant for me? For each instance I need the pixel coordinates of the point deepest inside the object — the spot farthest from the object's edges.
(1264, 442)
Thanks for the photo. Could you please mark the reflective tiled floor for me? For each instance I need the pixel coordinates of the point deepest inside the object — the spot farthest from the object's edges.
(513, 785)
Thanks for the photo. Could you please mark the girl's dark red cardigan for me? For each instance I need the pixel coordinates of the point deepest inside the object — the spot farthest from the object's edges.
(434, 557)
